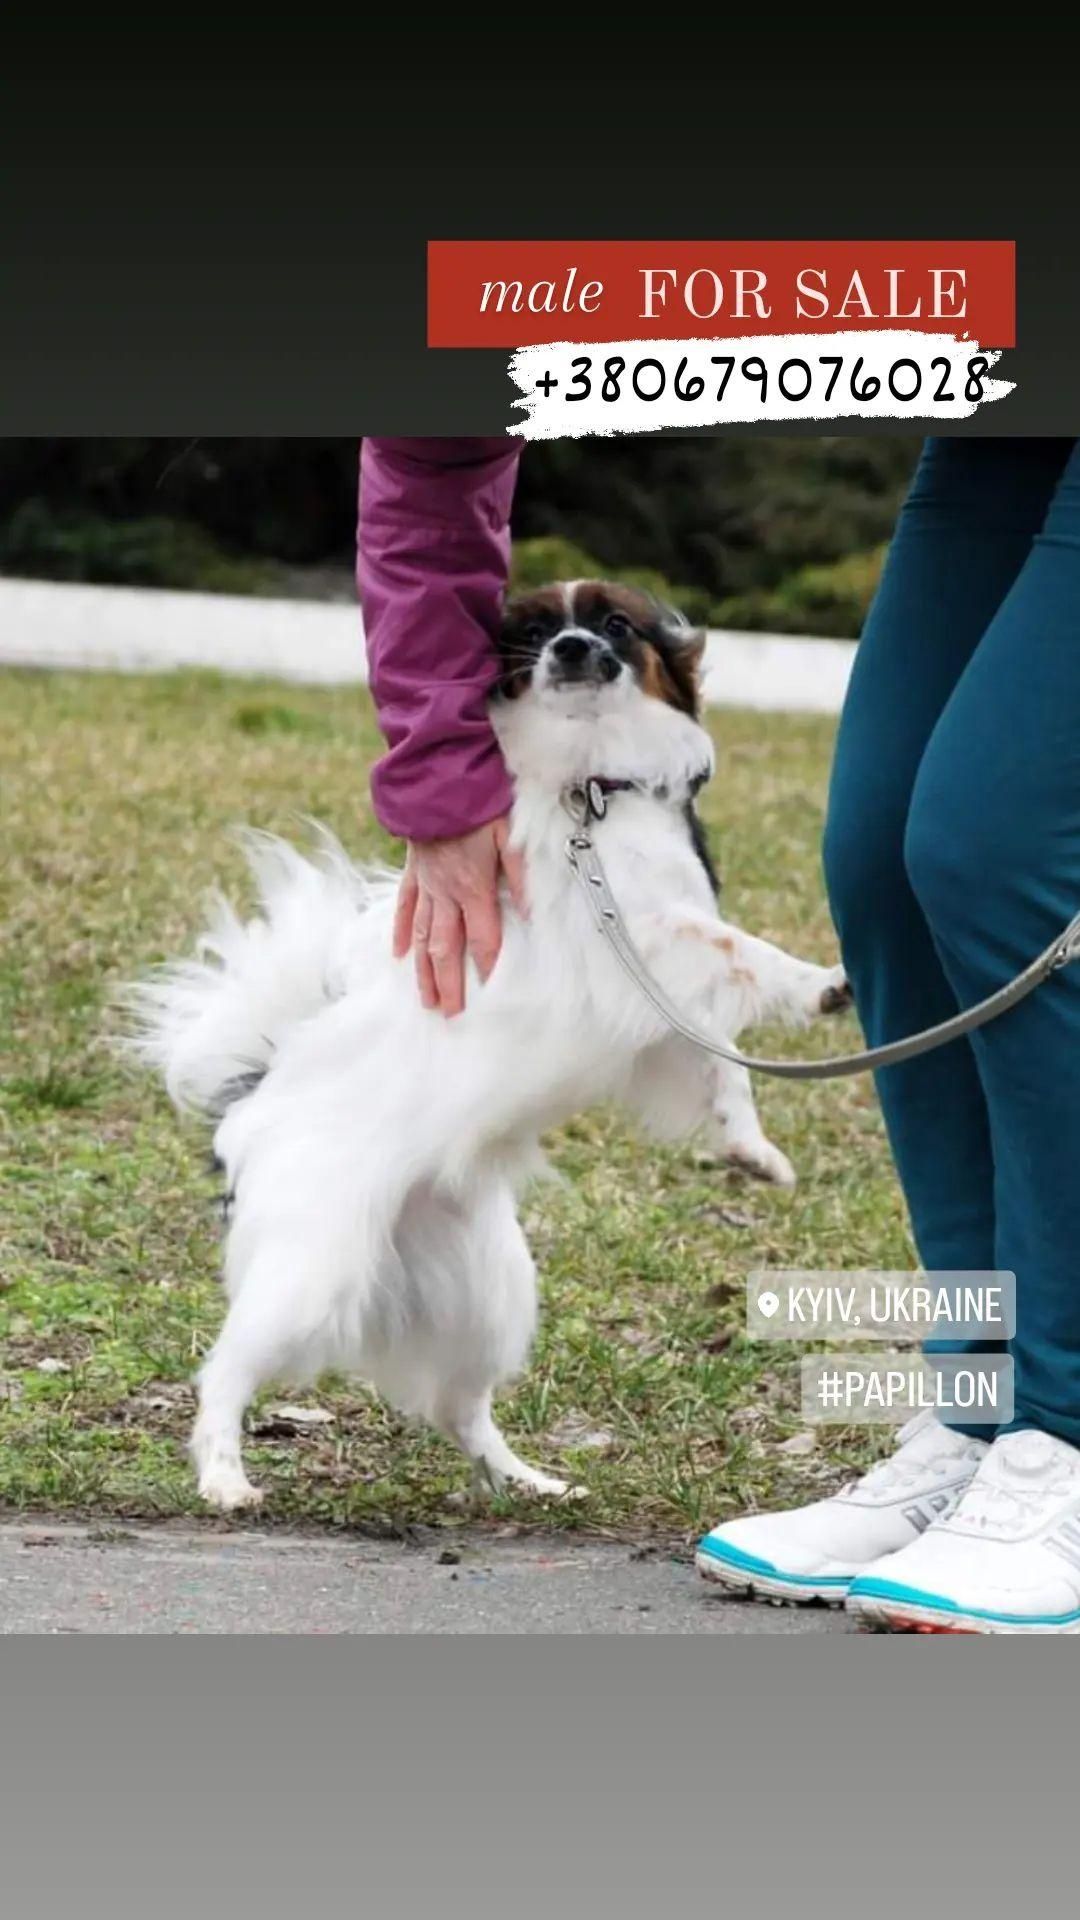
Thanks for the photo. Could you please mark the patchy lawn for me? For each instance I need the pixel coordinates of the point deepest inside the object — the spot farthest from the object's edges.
(115, 799)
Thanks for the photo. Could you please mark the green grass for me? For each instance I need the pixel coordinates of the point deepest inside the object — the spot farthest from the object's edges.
(116, 796)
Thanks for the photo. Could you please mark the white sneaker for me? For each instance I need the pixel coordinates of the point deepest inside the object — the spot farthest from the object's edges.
(1005, 1560)
(815, 1552)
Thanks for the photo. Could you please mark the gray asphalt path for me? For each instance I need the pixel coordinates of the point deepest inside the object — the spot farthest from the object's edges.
(64, 1578)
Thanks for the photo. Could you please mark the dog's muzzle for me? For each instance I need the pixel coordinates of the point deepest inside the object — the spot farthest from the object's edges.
(578, 659)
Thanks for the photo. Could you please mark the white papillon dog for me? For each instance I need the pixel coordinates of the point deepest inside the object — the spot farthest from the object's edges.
(373, 1152)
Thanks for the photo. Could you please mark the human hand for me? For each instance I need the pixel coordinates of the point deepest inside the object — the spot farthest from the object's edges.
(448, 904)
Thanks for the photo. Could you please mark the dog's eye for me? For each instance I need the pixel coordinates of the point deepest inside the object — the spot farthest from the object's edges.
(617, 626)
(533, 633)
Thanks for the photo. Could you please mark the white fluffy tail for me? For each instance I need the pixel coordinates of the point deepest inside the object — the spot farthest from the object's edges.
(210, 1025)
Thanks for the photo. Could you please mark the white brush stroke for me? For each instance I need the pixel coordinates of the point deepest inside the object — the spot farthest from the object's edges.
(556, 418)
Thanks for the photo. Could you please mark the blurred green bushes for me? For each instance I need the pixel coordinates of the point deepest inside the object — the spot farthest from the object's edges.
(830, 600)
(157, 551)
(775, 533)
(534, 563)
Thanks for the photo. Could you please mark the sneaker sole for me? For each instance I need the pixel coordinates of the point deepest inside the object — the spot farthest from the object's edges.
(758, 1583)
(900, 1614)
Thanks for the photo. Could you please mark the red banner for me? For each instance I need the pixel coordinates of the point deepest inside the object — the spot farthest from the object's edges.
(517, 293)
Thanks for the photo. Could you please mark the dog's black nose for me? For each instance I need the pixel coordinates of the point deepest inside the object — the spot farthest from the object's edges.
(571, 648)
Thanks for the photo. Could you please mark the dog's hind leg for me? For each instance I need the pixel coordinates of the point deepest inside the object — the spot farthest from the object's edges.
(473, 1263)
(465, 1416)
(247, 1353)
(261, 1340)
(737, 1130)
(226, 1384)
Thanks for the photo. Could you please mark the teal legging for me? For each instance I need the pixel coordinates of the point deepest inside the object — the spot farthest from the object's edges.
(952, 855)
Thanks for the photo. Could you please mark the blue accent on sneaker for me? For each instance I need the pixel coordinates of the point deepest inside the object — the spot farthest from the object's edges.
(872, 1588)
(749, 1563)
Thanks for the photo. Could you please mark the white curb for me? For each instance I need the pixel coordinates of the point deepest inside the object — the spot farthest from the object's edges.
(147, 630)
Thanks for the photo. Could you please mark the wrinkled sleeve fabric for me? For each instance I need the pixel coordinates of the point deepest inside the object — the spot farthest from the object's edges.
(433, 553)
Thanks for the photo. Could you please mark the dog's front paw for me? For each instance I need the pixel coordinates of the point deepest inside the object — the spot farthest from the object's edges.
(836, 996)
(762, 1161)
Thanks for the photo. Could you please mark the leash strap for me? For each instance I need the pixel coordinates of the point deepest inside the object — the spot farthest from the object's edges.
(586, 804)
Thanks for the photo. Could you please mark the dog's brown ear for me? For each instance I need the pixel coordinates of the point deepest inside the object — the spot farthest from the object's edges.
(687, 641)
(678, 647)
(686, 650)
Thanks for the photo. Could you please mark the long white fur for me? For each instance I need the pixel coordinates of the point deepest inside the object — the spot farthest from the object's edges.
(375, 1166)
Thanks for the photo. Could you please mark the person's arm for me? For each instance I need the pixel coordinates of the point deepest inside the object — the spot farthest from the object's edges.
(433, 552)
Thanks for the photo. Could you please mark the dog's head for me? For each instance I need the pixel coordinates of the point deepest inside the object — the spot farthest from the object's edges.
(590, 644)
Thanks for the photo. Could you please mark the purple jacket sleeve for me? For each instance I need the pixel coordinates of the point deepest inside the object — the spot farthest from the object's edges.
(433, 551)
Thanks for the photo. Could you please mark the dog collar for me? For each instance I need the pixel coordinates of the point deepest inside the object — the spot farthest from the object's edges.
(587, 800)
